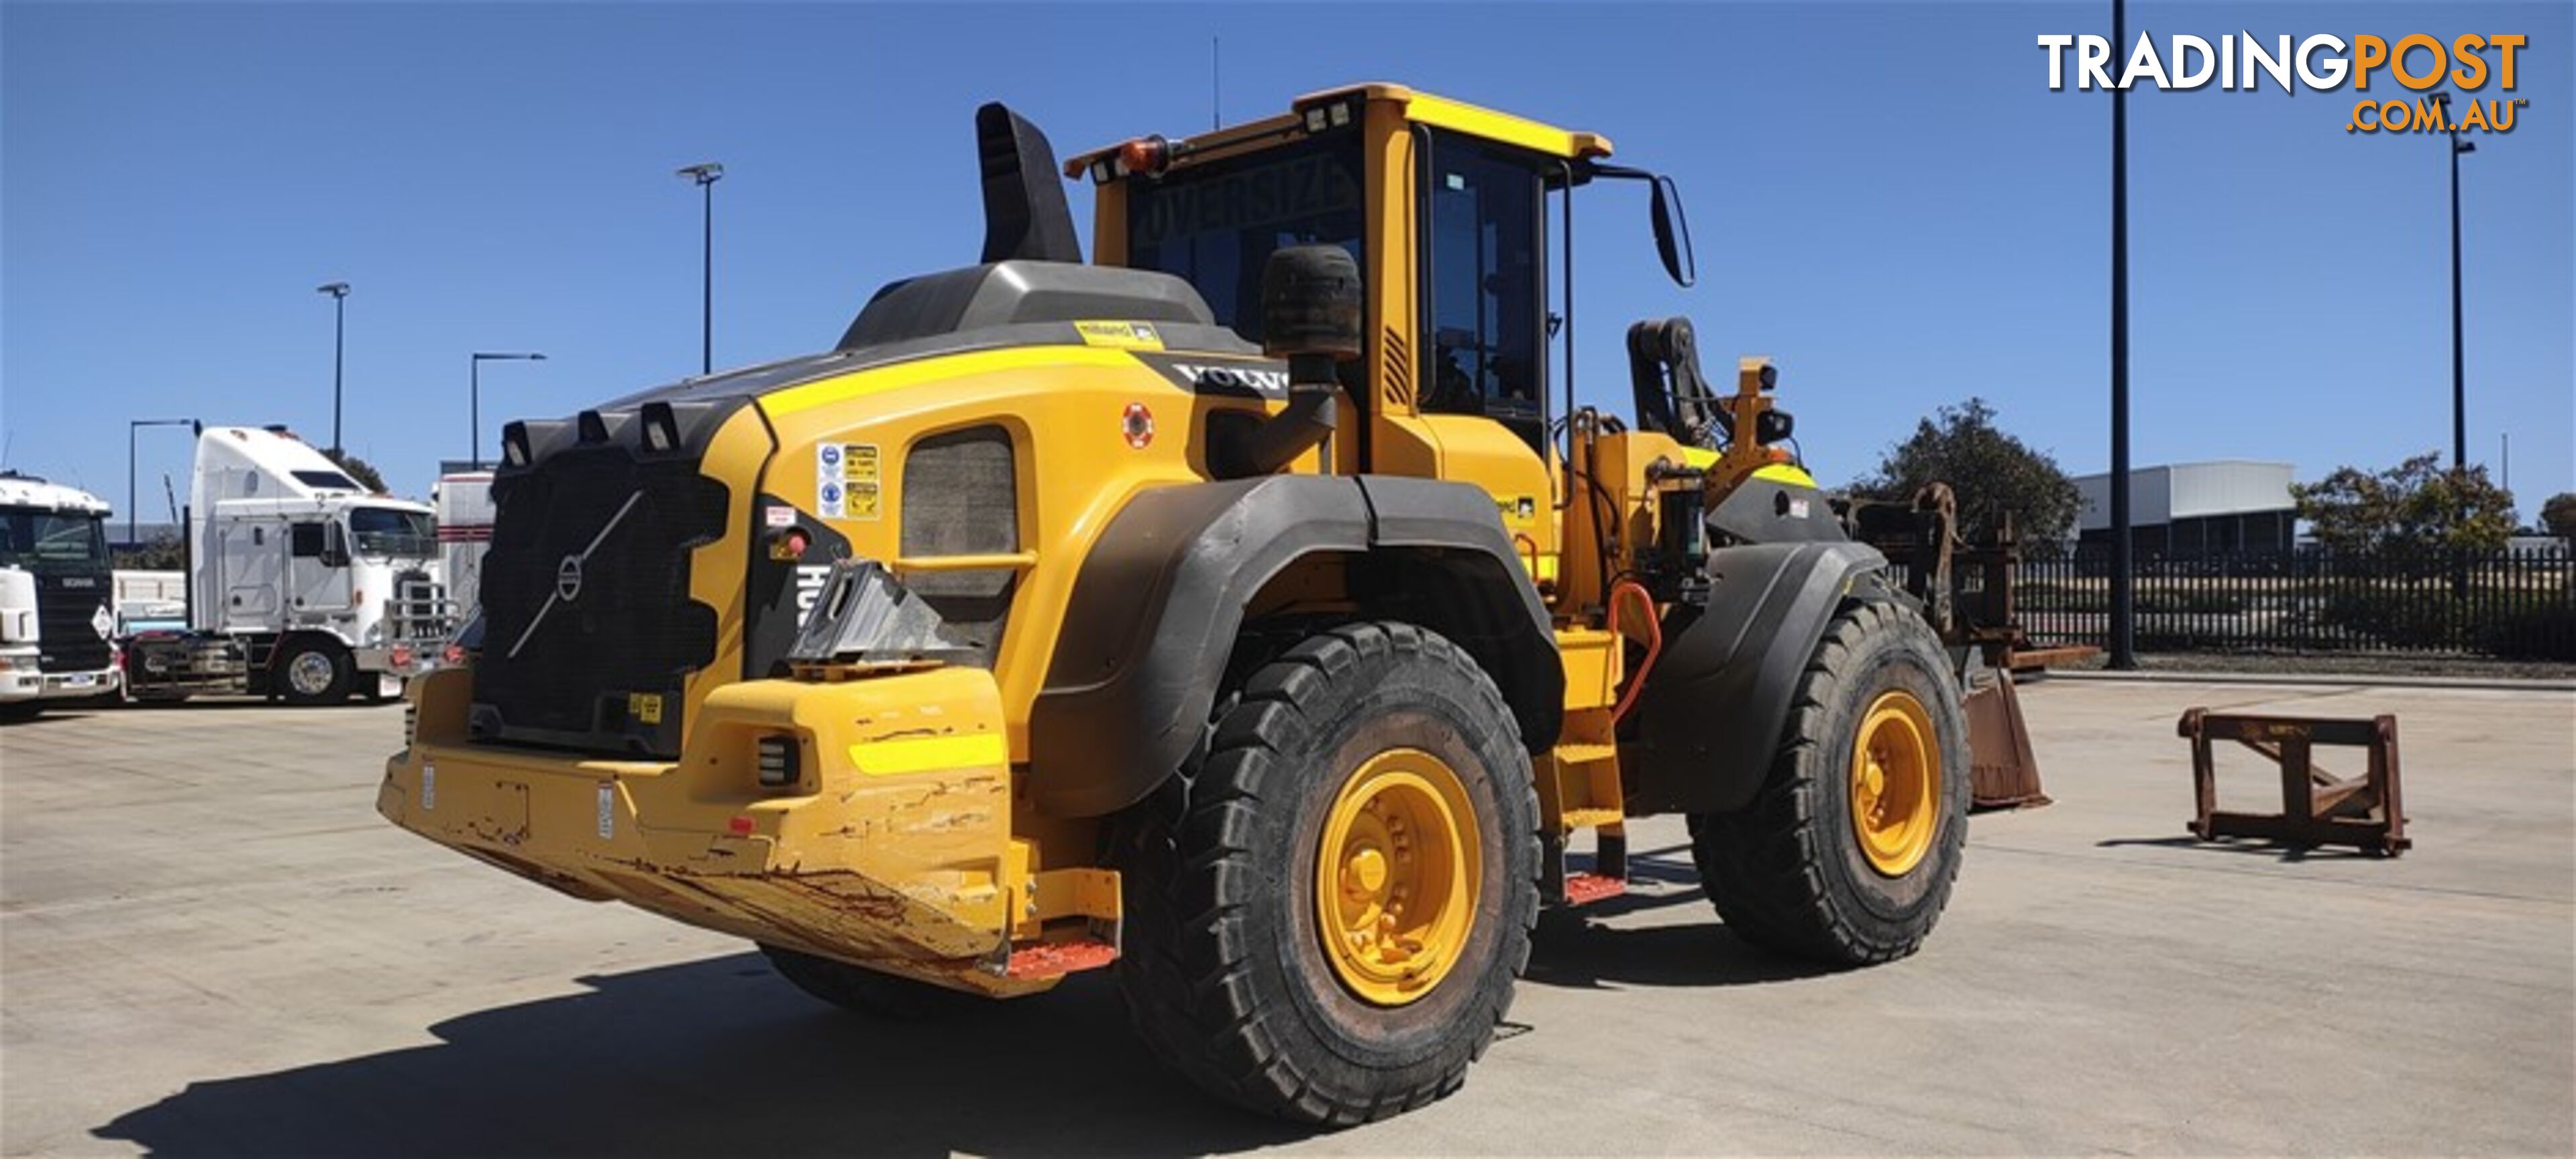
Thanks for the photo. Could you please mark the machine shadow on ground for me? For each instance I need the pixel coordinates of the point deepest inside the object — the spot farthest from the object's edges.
(720, 1055)
(716, 1057)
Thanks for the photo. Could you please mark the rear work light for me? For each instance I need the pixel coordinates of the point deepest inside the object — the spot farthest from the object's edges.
(777, 761)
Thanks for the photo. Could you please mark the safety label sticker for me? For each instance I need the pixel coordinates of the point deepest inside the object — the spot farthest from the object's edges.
(1120, 335)
(846, 480)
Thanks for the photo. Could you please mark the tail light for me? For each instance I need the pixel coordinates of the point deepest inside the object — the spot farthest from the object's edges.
(777, 761)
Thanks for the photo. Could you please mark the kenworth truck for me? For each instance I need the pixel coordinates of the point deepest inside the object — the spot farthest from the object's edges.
(1254, 612)
(55, 620)
(302, 585)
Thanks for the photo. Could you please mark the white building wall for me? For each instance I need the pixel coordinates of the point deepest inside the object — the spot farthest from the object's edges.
(2229, 488)
(2150, 498)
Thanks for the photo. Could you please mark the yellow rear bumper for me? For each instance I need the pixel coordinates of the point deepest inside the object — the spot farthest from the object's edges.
(893, 849)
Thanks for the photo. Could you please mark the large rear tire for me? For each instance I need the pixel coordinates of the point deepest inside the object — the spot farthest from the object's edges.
(1847, 854)
(1326, 911)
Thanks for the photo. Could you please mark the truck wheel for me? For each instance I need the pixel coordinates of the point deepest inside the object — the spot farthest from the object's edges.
(20, 711)
(312, 672)
(1847, 853)
(864, 991)
(1327, 909)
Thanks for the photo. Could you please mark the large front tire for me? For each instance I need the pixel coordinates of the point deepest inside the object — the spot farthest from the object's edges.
(1326, 912)
(1847, 854)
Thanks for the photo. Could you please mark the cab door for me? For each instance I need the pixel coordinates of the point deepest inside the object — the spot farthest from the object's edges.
(317, 569)
(1460, 286)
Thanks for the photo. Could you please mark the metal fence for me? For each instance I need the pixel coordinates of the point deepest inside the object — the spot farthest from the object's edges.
(2509, 604)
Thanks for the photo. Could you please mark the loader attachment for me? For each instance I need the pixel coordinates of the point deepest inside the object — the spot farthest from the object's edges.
(2002, 772)
(1965, 589)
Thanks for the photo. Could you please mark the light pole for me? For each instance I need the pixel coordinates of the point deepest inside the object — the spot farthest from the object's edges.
(706, 174)
(2124, 641)
(132, 507)
(339, 292)
(475, 403)
(2459, 365)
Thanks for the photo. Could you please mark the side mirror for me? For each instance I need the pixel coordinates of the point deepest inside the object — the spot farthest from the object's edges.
(1672, 233)
(335, 546)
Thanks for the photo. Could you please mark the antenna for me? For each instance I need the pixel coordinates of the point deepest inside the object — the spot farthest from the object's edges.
(1216, 82)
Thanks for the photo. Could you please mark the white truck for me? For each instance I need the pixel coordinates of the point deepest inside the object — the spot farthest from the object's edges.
(302, 586)
(54, 592)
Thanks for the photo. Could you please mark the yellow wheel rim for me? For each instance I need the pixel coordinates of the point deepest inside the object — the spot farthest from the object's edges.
(1895, 783)
(1397, 876)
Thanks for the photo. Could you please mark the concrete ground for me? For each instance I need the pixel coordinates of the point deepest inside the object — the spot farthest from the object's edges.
(212, 945)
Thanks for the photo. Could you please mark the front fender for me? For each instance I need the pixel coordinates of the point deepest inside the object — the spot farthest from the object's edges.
(1160, 599)
(1710, 718)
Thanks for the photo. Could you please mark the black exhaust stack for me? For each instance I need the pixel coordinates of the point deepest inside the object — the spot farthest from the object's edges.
(1025, 216)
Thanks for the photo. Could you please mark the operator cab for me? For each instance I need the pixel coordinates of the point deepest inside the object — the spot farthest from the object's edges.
(1445, 207)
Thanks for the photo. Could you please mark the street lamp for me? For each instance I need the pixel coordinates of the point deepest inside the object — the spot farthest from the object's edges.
(132, 505)
(339, 292)
(475, 415)
(706, 174)
(2459, 366)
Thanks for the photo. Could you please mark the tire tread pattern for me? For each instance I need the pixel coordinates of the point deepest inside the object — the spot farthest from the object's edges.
(1188, 851)
(1765, 866)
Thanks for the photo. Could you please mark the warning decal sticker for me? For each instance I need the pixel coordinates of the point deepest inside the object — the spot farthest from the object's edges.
(846, 480)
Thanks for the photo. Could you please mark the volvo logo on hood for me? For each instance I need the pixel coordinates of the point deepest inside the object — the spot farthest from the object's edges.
(568, 579)
(1240, 377)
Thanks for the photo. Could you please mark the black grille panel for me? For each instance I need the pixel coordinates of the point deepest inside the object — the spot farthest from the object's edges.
(603, 670)
(961, 496)
(67, 640)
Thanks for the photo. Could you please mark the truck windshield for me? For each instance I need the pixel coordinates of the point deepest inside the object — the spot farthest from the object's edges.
(52, 541)
(1215, 223)
(391, 531)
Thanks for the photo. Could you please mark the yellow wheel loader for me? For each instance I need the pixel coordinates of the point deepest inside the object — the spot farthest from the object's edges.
(1251, 612)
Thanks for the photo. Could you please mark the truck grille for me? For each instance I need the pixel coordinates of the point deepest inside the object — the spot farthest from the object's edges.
(67, 639)
(589, 632)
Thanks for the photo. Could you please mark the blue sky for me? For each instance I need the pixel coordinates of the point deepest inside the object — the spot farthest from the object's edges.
(1887, 198)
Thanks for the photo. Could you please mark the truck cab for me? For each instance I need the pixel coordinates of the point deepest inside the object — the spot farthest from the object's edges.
(55, 592)
(302, 585)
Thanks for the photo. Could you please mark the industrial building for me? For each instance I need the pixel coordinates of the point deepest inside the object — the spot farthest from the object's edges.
(2189, 510)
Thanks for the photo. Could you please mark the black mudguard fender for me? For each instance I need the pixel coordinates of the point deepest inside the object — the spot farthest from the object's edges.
(1709, 720)
(1160, 600)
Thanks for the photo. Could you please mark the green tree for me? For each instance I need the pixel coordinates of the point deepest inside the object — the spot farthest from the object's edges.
(1993, 473)
(358, 469)
(161, 554)
(2558, 515)
(2415, 507)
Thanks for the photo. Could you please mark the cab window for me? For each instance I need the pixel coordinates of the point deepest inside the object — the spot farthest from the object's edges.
(1484, 281)
(1214, 223)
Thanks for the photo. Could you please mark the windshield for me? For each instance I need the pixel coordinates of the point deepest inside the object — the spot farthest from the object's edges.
(53, 541)
(391, 531)
(1214, 224)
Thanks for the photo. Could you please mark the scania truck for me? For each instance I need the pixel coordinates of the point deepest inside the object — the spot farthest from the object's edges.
(54, 590)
